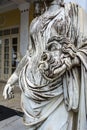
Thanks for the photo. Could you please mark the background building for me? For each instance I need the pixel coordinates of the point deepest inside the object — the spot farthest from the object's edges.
(15, 17)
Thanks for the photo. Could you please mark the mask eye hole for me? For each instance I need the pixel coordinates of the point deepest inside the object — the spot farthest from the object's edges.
(53, 47)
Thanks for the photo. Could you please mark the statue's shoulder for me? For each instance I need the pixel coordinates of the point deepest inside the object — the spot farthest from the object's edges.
(33, 22)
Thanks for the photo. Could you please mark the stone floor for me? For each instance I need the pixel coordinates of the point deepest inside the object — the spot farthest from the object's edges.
(10, 111)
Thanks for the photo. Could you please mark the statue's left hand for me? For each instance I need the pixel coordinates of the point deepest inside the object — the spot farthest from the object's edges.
(60, 71)
(8, 91)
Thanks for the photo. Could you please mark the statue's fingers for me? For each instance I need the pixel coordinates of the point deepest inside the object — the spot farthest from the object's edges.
(11, 95)
(60, 70)
(9, 89)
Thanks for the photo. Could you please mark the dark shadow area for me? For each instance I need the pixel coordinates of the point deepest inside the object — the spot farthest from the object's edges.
(6, 112)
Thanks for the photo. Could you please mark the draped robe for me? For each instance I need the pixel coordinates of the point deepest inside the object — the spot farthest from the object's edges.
(50, 105)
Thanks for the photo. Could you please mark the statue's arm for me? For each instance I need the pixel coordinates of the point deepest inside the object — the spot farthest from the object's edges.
(8, 90)
(14, 77)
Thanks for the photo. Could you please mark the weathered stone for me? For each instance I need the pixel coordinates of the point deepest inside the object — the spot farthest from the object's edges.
(53, 73)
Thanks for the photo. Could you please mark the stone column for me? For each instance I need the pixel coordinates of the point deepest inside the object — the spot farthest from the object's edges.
(24, 27)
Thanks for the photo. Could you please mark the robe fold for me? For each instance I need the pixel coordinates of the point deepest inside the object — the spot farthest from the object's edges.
(61, 104)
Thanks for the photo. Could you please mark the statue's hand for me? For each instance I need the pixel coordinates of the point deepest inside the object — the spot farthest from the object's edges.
(52, 67)
(8, 91)
(60, 71)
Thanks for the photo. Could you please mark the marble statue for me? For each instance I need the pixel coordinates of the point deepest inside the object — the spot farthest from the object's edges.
(53, 73)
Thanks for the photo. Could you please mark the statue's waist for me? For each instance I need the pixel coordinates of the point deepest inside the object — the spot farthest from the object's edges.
(36, 88)
(43, 92)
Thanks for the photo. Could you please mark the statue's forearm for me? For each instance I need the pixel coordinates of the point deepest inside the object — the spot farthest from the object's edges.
(76, 61)
(13, 79)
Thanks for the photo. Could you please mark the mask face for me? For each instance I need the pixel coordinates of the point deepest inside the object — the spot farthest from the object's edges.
(54, 49)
